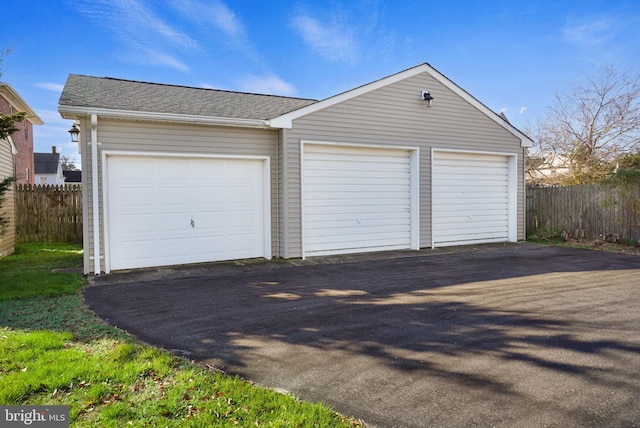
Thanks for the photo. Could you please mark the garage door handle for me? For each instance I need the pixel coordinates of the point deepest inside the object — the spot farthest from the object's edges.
(193, 224)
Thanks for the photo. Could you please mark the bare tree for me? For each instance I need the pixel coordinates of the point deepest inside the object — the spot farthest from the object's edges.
(67, 163)
(590, 125)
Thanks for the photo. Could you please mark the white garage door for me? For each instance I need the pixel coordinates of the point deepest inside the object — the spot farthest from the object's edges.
(471, 198)
(166, 211)
(355, 199)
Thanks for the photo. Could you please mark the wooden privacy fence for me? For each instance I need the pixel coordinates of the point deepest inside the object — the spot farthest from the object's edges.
(49, 213)
(589, 211)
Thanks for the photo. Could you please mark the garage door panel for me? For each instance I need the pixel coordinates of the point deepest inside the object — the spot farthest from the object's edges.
(351, 169)
(130, 196)
(159, 221)
(132, 169)
(178, 246)
(336, 215)
(497, 179)
(171, 196)
(461, 227)
(140, 249)
(138, 223)
(209, 243)
(470, 198)
(173, 222)
(351, 245)
(341, 231)
(357, 189)
(205, 174)
(468, 204)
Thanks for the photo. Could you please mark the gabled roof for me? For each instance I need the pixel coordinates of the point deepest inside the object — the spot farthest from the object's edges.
(83, 95)
(127, 98)
(46, 163)
(285, 121)
(8, 93)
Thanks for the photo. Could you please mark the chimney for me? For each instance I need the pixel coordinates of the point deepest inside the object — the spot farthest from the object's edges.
(53, 150)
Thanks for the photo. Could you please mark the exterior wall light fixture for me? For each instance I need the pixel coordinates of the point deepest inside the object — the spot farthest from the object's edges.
(427, 97)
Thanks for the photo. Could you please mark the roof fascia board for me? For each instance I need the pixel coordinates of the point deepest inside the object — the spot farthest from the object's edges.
(286, 120)
(72, 112)
(525, 141)
(16, 100)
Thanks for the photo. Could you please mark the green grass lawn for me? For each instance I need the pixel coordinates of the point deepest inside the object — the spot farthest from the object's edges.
(54, 351)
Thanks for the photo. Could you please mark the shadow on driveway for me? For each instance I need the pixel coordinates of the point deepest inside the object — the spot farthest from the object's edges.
(520, 335)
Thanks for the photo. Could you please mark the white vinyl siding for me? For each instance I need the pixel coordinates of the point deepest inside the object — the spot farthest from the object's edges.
(213, 210)
(8, 238)
(355, 199)
(471, 198)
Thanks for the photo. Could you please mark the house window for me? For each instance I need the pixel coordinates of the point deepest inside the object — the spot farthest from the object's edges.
(26, 129)
(43, 180)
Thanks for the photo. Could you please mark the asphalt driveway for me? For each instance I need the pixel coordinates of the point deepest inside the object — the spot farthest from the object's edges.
(505, 335)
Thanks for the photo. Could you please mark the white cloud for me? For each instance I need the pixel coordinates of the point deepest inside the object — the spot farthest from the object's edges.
(267, 85)
(522, 110)
(49, 116)
(214, 13)
(152, 57)
(589, 32)
(56, 87)
(140, 29)
(160, 58)
(333, 40)
(503, 110)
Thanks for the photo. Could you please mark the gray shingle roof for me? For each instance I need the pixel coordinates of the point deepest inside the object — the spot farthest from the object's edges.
(46, 163)
(129, 95)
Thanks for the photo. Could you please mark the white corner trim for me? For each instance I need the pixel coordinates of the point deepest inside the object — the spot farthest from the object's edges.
(95, 206)
(14, 150)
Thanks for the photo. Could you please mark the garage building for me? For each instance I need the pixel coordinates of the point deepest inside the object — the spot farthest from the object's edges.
(178, 175)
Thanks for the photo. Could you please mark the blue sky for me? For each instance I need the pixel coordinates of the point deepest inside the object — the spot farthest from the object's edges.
(512, 56)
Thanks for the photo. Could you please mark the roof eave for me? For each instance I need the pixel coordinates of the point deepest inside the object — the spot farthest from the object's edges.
(74, 112)
(15, 99)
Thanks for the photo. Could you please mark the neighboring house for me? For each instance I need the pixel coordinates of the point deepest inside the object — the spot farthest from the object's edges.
(72, 177)
(48, 168)
(11, 102)
(176, 175)
(16, 159)
(550, 168)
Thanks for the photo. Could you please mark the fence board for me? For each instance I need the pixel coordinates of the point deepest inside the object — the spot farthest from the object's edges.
(49, 213)
(593, 209)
